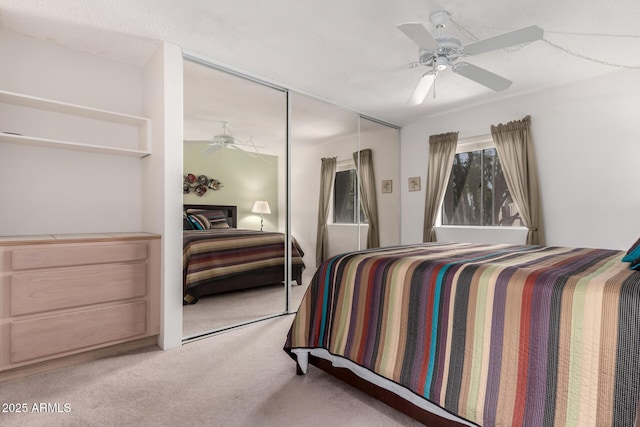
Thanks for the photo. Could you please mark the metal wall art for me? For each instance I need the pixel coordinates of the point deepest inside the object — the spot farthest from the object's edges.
(200, 184)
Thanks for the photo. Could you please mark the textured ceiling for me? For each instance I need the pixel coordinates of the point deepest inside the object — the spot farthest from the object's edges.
(334, 49)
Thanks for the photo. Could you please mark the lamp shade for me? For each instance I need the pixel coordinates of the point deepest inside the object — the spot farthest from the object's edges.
(261, 207)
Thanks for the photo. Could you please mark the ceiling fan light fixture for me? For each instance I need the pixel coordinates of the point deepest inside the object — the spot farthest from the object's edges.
(440, 63)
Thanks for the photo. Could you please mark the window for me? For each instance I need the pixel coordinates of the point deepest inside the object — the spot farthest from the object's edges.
(345, 198)
(477, 192)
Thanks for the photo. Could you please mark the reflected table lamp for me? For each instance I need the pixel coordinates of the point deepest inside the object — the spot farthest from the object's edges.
(261, 207)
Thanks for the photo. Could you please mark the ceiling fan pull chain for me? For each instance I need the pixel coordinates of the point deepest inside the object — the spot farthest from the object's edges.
(464, 30)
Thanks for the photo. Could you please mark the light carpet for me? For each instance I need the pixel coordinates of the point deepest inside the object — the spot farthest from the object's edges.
(237, 378)
(232, 308)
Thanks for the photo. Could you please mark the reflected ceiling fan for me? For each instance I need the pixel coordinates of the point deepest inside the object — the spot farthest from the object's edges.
(226, 140)
(441, 52)
(222, 140)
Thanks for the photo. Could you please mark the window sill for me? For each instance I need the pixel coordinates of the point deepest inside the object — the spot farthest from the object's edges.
(480, 227)
(479, 234)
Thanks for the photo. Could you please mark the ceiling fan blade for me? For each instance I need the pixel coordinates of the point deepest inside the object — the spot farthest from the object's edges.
(482, 76)
(420, 92)
(197, 141)
(244, 148)
(523, 35)
(419, 34)
(211, 148)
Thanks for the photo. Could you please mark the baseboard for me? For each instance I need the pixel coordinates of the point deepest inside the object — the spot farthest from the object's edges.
(75, 359)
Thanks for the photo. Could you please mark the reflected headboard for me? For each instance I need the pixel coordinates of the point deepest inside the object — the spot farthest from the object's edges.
(231, 212)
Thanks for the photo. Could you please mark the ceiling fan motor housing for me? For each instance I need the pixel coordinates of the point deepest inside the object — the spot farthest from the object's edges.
(449, 49)
(222, 139)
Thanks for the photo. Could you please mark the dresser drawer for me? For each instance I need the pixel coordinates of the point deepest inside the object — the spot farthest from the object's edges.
(47, 256)
(38, 291)
(47, 336)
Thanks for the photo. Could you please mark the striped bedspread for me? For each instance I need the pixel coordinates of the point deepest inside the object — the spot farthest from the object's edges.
(218, 253)
(501, 335)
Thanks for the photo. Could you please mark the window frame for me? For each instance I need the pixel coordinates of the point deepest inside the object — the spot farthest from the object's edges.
(343, 166)
(464, 145)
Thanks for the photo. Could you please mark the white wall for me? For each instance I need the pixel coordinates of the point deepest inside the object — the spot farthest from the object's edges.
(384, 143)
(41, 68)
(305, 187)
(50, 190)
(305, 190)
(587, 142)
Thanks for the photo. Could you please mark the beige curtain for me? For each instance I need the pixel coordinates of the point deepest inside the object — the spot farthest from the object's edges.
(327, 177)
(368, 199)
(515, 149)
(442, 150)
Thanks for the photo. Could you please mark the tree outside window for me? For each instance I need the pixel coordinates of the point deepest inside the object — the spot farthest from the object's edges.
(477, 192)
(345, 198)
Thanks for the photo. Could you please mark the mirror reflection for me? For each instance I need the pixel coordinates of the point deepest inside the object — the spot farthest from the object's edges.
(344, 183)
(380, 176)
(343, 172)
(234, 200)
(321, 136)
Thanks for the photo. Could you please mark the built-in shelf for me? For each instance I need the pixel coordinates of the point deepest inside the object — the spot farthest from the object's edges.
(54, 143)
(143, 124)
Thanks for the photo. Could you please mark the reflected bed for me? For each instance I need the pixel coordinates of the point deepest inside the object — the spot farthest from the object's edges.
(222, 258)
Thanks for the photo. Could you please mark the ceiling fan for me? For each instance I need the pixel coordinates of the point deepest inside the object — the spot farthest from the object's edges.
(441, 52)
(222, 140)
(226, 140)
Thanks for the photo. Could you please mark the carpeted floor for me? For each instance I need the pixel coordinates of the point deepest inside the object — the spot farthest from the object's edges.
(232, 308)
(237, 378)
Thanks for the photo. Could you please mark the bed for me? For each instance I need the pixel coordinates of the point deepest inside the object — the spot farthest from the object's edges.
(218, 257)
(493, 335)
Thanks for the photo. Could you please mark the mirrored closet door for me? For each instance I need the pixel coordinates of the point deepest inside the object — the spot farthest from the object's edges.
(332, 151)
(323, 140)
(234, 199)
(343, 190)
(379, 177)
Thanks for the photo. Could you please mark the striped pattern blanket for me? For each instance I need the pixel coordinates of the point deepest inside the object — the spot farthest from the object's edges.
(500, 335)
(219, 253)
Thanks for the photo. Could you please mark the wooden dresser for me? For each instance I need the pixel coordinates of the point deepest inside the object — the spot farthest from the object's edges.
(63, 295)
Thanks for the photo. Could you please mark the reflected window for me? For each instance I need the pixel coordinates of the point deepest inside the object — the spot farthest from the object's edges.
(345, 198)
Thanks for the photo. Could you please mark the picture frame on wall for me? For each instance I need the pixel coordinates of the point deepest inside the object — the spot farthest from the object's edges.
(414, 183)
(387, 186)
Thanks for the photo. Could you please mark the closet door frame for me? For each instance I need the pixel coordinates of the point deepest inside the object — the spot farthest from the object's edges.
(199, 59)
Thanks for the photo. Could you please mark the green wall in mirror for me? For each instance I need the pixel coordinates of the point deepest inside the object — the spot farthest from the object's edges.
(245, 178)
